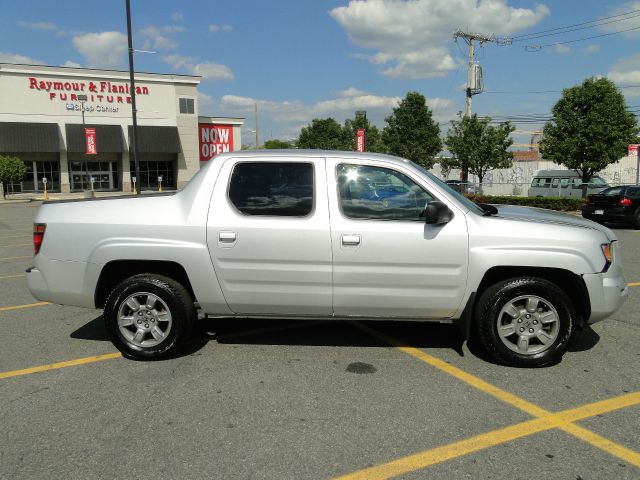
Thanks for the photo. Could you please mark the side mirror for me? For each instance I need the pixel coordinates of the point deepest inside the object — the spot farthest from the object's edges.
(437, 213)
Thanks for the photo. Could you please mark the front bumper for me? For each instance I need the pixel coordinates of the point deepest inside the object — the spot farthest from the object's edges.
(607, 292)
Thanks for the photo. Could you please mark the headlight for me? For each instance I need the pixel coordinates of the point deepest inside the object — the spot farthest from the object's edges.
(607, 251)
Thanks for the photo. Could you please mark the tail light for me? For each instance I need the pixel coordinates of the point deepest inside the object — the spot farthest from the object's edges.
(625, 202)
(586, 200)
(38, 236)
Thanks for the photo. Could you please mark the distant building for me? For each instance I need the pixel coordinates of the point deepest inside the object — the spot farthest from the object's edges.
(41, 123)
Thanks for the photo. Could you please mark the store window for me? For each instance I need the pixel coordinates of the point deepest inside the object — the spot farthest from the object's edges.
(104, 174)
(187, 106)
(36, 171)
(150, 171)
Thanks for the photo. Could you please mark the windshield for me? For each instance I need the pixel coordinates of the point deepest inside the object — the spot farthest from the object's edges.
(458, 196)
(596, 180)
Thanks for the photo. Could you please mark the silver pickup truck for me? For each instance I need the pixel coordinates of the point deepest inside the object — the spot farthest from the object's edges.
(327, 235)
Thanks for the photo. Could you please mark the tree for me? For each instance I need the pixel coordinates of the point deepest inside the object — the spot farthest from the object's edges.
(323, 133)
(12, 169)
(590, 128)
(276, 144)
(411, 132)
(372, 137)
(477, 146)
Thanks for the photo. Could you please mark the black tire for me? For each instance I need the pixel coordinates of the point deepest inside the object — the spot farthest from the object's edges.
(173, 297)
(511, 291)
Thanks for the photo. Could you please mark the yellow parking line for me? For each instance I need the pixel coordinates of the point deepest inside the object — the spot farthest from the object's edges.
(513, 400)
(56, 366)
(453, 450)
(17, 245)
(472, 380)
(82, 361)
(19, 307)
(634, 284)
(16, 258)
(12, 276)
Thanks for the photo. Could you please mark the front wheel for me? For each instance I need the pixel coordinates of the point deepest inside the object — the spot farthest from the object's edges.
(148, 316)
(525, 322)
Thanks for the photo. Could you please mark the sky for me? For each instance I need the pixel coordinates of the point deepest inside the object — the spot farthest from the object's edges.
(304, 59)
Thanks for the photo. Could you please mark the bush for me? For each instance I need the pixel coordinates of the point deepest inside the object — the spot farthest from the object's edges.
(563, 204)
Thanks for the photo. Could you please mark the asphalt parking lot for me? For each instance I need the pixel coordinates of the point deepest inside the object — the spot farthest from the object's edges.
(307, 400)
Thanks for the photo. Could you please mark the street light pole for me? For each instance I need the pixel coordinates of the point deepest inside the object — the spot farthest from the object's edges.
(134, 136)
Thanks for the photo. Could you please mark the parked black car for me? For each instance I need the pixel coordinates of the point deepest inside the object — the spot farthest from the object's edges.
(619, 204)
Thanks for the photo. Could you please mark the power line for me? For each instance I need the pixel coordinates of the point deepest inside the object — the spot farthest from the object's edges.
(530, 92)
(536, 48)
(574, 25)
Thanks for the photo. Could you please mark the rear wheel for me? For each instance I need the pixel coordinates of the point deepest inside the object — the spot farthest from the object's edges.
(148, 316)
(525, 321)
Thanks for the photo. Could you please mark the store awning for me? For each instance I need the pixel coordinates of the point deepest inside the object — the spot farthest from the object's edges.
(108, 138)
(156, 139)
(29, 137)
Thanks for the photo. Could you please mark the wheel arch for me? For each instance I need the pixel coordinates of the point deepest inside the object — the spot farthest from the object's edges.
(116, 271)
(573, 285)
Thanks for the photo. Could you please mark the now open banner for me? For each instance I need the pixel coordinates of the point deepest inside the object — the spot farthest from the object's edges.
(214, 139)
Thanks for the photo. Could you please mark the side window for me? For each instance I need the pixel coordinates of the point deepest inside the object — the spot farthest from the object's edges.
(377, 193)
(564, 182)
(555, 182)
(281, 189)
(545, 182)
(576, 182)
(187, 105)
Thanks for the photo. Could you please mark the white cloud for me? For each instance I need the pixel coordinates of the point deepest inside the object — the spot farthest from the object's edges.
(591, 49)
(344, 106)
(155, 39)
(350, 92)
(6, 57)
(103, 49)
(69, 63)
(220, 28)
(626, 70)
(561, 49)
(626, 22)
(413, 37)
(39, 26)
(207, 70)
(177, 17)
(204, 100)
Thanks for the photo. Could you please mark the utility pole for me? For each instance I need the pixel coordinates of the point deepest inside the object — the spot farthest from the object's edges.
(134, 111)
(470, 38)
(471, 90)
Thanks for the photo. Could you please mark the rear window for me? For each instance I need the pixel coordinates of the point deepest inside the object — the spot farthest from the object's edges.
(283, 189)
(613, 192)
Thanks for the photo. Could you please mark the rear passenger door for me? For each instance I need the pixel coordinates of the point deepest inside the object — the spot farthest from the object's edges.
(268, 235)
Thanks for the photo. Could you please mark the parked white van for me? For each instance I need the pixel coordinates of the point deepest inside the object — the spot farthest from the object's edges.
(564, 183)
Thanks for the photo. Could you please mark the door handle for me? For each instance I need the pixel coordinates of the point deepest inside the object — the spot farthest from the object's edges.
(226, 237)
(350, 239)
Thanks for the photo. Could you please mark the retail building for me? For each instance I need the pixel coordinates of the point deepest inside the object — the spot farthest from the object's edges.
(42, 123)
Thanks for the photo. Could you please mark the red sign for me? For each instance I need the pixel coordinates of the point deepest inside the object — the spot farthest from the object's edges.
(360, 140)
(214, 139)
(90, 141)
(633, 150)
